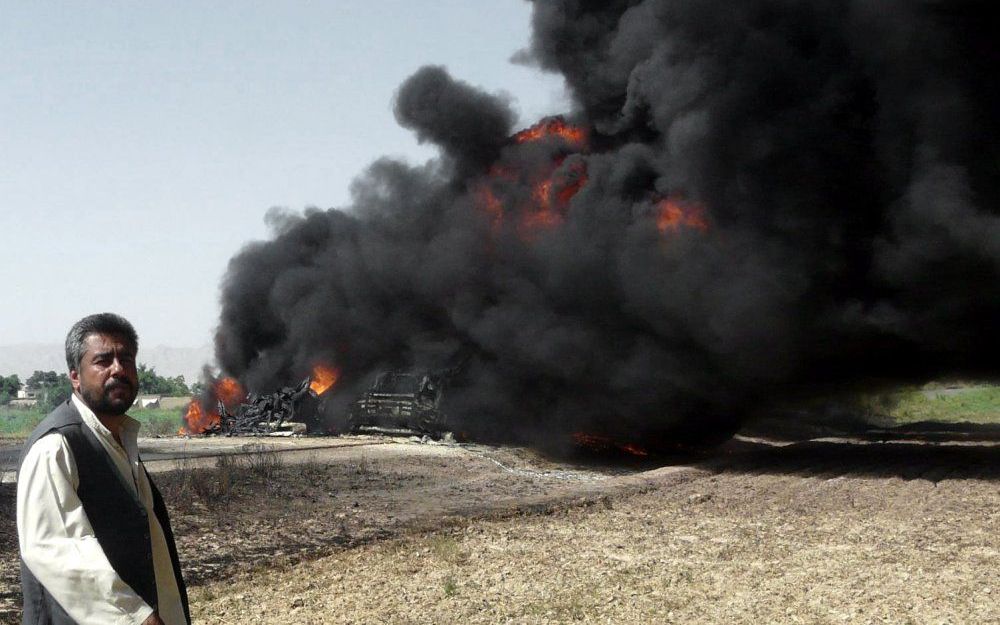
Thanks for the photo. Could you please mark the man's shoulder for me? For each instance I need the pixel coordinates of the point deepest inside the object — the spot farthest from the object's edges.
(64, 416)
(50, 453)
(49, 443)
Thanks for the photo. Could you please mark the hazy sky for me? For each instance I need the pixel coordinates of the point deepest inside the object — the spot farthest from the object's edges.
(143, 142)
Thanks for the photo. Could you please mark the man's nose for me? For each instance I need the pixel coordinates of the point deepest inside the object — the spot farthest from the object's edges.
(117, 369)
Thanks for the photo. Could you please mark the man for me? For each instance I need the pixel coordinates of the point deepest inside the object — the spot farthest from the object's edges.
(95, 540)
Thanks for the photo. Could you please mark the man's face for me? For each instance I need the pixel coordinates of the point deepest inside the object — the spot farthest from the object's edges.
(106, 377)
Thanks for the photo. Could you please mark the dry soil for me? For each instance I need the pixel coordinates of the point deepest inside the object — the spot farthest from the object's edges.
(379, 530)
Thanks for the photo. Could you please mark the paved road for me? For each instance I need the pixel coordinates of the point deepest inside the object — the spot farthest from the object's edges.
(163, 453)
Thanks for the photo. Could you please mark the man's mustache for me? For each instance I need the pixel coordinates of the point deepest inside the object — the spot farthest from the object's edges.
(110, 386)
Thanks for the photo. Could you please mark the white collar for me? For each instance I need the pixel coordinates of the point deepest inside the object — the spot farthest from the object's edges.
(130, 427)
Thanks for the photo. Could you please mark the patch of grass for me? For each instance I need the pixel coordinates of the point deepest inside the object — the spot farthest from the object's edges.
(450, 587)
(447, 549)
(202, 594)
(155, 421)
(976, 404)
(944, 403)
(19, 421)
(158, 421)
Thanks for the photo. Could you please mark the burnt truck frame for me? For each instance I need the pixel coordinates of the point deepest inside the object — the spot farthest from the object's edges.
(263, 414)
(400, 401)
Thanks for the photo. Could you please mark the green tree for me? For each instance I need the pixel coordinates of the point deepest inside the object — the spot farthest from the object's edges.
(9, 386)
(42, 379)
(52, 388)
(180, 386)
(56, 392)
(151, 383)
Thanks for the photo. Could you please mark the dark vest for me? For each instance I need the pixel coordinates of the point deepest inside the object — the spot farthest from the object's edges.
(119, 519)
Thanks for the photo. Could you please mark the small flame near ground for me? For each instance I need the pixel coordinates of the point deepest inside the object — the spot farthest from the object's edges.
(605, 444)
(231, 393)
(198, 420)
(323, 377)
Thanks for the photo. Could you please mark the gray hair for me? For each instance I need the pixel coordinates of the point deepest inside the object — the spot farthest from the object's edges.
(101, 323)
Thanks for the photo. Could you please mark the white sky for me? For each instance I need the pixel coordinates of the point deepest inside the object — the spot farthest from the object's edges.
(141, 143)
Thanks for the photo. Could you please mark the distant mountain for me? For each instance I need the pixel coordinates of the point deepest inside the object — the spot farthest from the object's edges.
(26, 358)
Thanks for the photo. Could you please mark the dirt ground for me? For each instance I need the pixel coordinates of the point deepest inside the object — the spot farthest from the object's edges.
(379, 530)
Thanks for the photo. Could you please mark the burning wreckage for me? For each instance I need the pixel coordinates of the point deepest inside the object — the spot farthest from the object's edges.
(266, 414)
(749, 203)
(396, 402)
(400, 401)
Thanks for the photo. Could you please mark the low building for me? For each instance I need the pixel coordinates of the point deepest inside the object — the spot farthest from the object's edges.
(147, 401)
(26, 397)
(28, 393)
(161, 401)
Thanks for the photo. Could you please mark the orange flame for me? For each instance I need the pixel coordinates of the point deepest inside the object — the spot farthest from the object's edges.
(635, 450)
(570, 181)
(540, 194)
(229, 392)
(538, 220)
(488, 201)
(552, 188)
(672, 213)
(323, 378)
(199, 421)
(604, 444)
(551, 196)
(505, 172)
(553, 127)
(538, 214)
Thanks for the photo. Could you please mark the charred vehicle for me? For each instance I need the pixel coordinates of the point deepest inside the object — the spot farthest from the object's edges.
(275, 412)
(401, 401)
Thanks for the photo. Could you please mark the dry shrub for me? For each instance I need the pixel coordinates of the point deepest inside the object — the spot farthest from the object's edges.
(214, 489)
(261, 460)
(363, 466)
(191, 486)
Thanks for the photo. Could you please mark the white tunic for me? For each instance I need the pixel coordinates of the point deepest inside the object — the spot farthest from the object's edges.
(58, 543)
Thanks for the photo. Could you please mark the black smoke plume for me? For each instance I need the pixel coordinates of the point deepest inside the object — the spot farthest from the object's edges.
(771, 197)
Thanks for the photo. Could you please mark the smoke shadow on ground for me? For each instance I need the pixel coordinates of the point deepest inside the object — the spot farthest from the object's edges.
(932, 456)
(830, 459)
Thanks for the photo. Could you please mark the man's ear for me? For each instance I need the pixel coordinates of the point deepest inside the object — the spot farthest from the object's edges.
(74, 379)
